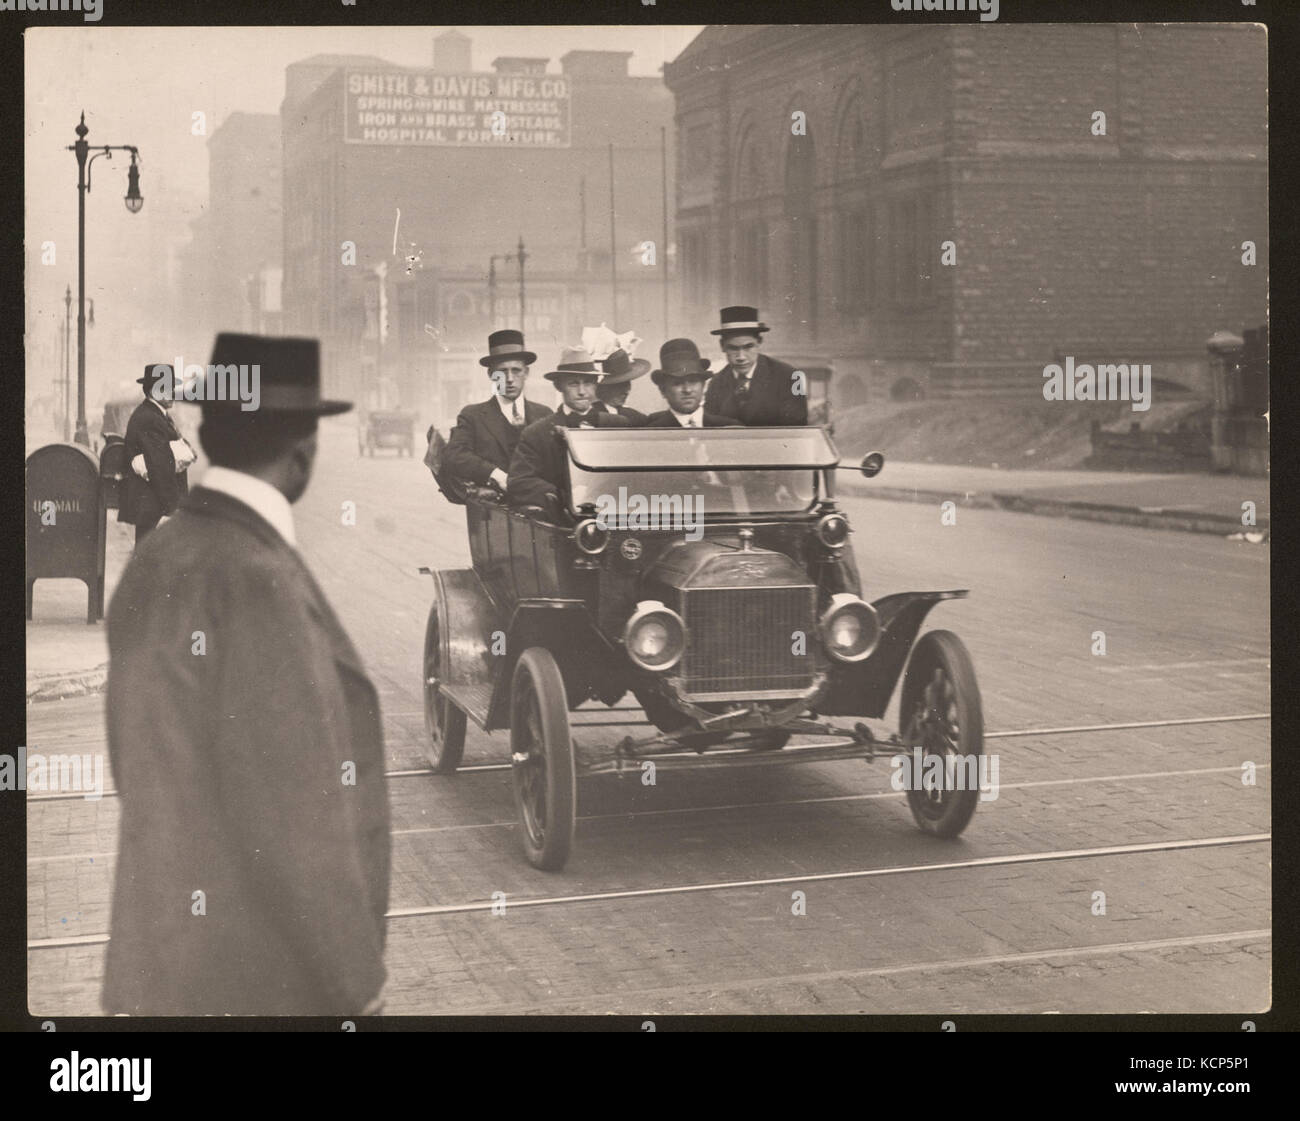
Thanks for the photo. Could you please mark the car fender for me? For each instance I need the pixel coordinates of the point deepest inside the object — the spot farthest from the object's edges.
(587, 660)
(469, 625)
(864, 688)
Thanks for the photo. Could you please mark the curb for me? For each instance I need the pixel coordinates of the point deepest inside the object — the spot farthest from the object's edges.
(1220, 524)
(82, 684)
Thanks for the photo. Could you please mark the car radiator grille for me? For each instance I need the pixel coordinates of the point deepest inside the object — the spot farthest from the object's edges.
(742, 640)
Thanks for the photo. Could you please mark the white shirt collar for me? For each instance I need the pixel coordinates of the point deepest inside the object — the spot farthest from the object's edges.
(156, 405)
(261, 497)
(507, 407)
(684, 419)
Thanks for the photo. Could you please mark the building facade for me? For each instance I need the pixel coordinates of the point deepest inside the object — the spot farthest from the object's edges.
(949, 208)
(404, 213)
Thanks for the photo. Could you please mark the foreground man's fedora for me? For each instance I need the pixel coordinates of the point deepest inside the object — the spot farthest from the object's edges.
(505, 345)
(288, 372)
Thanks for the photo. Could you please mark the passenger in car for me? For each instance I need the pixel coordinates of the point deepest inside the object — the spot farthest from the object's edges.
(537, 466)
(484, 439)
(681, 378)
(621, 369)
(752, 388)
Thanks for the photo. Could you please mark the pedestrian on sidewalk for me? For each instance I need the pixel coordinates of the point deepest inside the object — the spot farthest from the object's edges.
(156, 483)
(245, 739)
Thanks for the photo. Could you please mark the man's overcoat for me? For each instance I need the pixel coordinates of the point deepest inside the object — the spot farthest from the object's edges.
(483, 440)
(149, 432)
(245, 739)
(770, 400)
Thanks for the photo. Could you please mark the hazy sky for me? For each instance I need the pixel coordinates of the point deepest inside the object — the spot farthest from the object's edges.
(141, 86)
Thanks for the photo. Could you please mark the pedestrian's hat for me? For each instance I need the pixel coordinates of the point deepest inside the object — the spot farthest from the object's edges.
(288, 371)
(740, 320)
(621, 367)
(574, 360)
(504, 345)
(680, 358)
(156, 373)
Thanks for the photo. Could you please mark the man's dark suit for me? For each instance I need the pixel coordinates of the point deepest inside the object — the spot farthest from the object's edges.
(250, 769)
(636, 419)
(537, 467)
(770, 400)
(149, 432)
(666, 419)
(483, 440)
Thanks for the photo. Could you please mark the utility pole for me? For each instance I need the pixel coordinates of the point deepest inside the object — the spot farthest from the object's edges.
(67, 365)
(663, 248)
(613, 243)
(521, 257)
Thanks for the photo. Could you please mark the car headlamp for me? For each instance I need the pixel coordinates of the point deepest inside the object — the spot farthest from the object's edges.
(833, 530)
(655, 636)
(591, 537)
(850, 628)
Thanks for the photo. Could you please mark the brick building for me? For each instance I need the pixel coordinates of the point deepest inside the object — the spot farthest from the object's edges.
(363, 140)
(1122, 246)
(233, 260)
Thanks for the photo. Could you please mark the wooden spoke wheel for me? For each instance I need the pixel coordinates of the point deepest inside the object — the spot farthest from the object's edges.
(444, 723)
(541, 749)
(940, 713)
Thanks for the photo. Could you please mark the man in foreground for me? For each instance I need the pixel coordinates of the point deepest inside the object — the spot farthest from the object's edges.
(245, 740)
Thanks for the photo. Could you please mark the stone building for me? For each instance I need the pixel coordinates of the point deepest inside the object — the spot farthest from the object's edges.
(948, 208)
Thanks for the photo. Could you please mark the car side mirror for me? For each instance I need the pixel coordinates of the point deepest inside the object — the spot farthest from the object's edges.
(872, 464)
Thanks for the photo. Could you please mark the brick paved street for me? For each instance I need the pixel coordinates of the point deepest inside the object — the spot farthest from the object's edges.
(1186, 623)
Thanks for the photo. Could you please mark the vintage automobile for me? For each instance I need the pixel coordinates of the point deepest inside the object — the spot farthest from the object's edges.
(708, 573)
(386, 428)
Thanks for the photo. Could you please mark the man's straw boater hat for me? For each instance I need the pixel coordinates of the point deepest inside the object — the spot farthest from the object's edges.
(740, 320)
(288, 373)
(574, 360)
(505, 345)
(680, 358)
(620, 367)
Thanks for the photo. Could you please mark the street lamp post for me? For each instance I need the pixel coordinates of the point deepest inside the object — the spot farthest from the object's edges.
(67, 364)
(134, 200)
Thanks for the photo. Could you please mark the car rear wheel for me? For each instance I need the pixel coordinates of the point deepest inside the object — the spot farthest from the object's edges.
(940, 713)
(541, 751)
(444, 723)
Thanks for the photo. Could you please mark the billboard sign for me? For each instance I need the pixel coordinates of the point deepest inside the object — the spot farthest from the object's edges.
(424, 109)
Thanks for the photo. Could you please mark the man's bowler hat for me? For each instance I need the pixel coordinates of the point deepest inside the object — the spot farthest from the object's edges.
(680, 358)
(505, 345)
(156, 372)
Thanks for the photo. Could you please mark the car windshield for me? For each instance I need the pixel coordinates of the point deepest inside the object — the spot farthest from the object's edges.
(652, 478)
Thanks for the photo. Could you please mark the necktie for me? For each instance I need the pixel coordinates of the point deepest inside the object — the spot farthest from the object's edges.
(515, 418)
(742, 386)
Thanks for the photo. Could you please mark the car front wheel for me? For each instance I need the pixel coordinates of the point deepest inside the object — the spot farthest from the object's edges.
(444, 723)
(541, 751)
(940, 714)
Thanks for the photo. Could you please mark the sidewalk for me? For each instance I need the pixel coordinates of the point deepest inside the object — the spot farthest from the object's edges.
(1195, 503)
(66, 656)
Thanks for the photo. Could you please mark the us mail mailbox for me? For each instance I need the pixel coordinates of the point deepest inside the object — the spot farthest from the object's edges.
(66, 521)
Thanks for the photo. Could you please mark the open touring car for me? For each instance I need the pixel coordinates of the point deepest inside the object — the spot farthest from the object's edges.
(707, 572)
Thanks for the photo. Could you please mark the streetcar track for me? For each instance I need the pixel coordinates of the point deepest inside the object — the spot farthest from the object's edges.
(1049, 856)
(886, 748)
(768, 981)
(727, 807)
